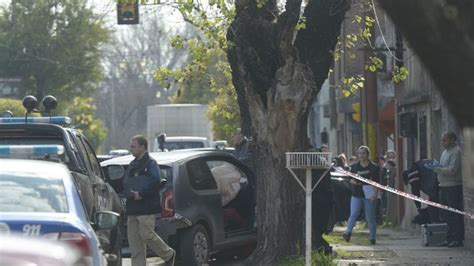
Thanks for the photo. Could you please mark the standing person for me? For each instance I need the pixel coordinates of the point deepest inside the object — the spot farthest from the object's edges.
(360, 197)
(321, 208)
(241, 145)
(143, 205)
(450, 188)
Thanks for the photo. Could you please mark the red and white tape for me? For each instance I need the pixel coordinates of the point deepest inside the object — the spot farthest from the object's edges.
(343, 172)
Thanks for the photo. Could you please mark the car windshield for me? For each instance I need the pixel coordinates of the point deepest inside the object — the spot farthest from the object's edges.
(178, 145)
(23, 193)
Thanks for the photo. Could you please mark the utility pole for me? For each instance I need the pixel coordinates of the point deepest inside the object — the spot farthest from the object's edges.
(369, 102)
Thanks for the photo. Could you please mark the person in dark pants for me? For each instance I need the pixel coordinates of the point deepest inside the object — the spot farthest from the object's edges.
(322, 203)
(450, 188)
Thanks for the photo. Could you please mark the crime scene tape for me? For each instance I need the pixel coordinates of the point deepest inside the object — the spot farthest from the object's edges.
(343, 172)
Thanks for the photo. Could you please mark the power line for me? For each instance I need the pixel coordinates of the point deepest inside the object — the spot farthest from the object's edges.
(381, 33)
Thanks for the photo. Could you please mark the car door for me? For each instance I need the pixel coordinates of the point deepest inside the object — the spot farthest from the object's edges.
(199, 199)
(237, 193)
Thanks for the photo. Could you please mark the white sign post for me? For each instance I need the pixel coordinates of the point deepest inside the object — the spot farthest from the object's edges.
(308, 161)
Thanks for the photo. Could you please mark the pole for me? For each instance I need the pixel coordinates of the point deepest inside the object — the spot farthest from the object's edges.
(309, 192)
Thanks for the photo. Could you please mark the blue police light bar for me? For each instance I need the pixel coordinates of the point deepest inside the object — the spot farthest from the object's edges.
(9, 150)
(57, 120)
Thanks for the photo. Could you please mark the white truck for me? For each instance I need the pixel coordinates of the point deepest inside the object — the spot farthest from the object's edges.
(185, 126)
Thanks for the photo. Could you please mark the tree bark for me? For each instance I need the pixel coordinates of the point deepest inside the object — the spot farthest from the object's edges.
(442, 34)
(277, 73)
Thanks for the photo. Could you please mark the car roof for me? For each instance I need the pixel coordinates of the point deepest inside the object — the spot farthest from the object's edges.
(50, 170)
(185, 138)
(167, 158)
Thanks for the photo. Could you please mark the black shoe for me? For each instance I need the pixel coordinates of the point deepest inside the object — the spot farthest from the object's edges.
(372, 241)
(347, 237)
(455, 244)
(442, 244)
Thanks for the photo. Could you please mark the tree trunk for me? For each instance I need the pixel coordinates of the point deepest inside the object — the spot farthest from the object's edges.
(442, 34)
(277, 73)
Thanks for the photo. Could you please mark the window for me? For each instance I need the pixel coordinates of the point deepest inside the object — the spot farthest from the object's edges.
(23, 193)
(229, 178)
(92, 158)
(200, 176)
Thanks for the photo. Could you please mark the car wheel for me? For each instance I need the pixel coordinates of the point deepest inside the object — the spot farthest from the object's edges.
(195, 245)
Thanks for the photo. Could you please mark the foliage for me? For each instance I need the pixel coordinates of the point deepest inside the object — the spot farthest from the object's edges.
(53, 46)
(82, 113)
(351, 85)
(363, 38)
(13, 105)
(207, 78)
(399, 74)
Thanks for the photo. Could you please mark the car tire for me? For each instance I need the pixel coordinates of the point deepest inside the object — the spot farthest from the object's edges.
(194, 246)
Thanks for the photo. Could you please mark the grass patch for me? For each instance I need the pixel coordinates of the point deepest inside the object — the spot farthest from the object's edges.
(317, 258)
(357, 238)
(343, 254)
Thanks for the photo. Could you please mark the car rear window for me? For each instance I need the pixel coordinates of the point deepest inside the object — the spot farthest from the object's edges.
(21, 193)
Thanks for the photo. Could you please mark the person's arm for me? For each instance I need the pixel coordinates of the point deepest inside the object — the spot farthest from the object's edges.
(152, 186)
(353, 170)
(454, 163)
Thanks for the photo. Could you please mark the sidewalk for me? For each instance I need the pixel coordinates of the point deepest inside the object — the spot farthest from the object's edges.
(395, 247)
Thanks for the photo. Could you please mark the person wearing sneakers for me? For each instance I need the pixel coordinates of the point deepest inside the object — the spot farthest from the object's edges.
(363, 195)
(143, 204)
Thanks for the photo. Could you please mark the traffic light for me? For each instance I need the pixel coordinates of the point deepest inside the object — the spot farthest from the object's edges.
(127, 13)
(356, 114)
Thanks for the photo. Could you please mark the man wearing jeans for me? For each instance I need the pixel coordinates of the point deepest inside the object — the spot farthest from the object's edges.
(143, 204)
(450, 189)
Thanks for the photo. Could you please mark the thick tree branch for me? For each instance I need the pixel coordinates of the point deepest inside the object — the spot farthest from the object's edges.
(255, 46)
(442, 34)
(286, 27)
(316, 42)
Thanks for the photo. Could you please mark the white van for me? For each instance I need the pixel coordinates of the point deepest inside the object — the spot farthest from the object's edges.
(182, 142)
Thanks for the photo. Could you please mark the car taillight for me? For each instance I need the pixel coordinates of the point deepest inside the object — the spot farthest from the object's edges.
(75, 239)
(168, 204)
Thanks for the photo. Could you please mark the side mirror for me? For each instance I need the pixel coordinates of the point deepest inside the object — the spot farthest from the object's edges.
(105, 220)
(115, 172)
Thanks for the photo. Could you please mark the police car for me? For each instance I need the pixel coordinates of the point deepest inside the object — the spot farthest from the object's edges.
(39, 199)
(37, 138)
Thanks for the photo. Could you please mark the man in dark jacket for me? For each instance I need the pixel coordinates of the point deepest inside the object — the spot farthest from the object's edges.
(241, 145)
(141, 185)
(423, 179)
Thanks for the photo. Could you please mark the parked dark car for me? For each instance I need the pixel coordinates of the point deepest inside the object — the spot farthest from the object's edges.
(208, 202)
(78, 155)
